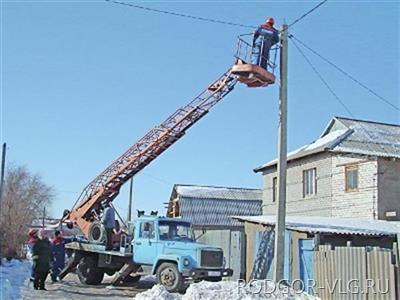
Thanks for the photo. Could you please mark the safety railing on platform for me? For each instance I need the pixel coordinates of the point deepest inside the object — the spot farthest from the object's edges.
(245, 51)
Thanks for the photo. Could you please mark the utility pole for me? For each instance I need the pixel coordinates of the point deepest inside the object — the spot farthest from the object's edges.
(44, 216)
(130, 201)
(279, 249)
(3, 164)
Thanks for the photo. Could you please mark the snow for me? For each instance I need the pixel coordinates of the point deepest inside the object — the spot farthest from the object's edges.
(12, 276)
(331, 225)
(225, 290)
(196, 191)
(327, 141)
(158, 292)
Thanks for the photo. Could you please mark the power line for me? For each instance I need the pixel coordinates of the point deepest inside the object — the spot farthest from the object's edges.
(198, 18)
(322, 79)
(307, 13)
(347, 74)
(371, 139)
(180, 15)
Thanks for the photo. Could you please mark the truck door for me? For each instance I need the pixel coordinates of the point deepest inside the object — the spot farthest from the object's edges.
(145, 244)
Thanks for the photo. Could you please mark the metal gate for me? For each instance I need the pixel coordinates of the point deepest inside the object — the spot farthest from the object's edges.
(354, 273)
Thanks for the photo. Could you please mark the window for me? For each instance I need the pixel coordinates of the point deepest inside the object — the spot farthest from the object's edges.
(351, 178)
(309, 182)
(175, 231)
(147, 230)
(274, 189)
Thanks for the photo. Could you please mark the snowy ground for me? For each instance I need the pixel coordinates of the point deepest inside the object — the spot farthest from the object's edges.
(225, 290)
(15, 284)
(13, 274)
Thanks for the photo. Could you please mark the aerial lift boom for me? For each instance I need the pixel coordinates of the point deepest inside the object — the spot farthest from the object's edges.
(106, 186)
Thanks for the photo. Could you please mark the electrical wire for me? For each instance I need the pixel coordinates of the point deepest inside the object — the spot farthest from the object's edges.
(371, 139)
(322, 79)
(180, 15)
(198, 18)
(307, 13)
(346, 74)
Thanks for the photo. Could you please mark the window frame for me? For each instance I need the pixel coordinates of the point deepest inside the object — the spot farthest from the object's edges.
(152, 233)
(274, 188)
(314, 182)
(350, 168)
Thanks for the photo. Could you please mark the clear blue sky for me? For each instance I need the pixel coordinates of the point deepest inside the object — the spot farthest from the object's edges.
(83, 80)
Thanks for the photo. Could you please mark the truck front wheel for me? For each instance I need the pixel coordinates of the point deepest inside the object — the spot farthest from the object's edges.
(169, 276)
(88, 272)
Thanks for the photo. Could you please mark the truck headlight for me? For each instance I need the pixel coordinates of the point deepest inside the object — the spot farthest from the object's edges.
(186, 262)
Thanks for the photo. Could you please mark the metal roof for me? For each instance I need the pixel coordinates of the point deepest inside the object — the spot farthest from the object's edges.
(215, 192)
(214, 206)
(330, 225)
(346, 135)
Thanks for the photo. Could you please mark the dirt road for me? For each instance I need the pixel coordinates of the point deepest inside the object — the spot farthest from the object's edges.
(71, 288)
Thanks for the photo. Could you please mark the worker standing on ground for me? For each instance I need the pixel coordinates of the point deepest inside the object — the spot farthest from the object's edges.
(263, 39)
(108, 221)
(42, 258)
(58, 250)
(33, 238)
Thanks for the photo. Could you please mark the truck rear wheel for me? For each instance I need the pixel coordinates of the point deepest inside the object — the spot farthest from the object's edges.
(97, 234)
(169, 276)
(88, 272)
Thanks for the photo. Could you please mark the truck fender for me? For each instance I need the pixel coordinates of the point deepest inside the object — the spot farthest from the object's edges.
(166, 258)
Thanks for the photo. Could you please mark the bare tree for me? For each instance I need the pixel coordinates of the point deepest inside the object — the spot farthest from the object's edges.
(24, 196)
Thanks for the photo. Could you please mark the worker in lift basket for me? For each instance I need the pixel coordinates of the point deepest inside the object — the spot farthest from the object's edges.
(108, 221)
(263, 39)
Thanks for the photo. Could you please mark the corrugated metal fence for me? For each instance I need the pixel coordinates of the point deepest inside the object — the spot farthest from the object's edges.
(355, 273)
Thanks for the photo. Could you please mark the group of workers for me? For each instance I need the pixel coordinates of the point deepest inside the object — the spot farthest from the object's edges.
(46, 255)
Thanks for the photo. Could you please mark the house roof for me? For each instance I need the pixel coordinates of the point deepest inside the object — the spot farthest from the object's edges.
(329, 225)
(344, 135)
(214, 206)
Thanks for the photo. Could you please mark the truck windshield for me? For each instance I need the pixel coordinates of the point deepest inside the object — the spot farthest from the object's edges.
(175, 231)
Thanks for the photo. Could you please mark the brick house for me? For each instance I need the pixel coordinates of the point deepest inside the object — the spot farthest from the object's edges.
(351, 170)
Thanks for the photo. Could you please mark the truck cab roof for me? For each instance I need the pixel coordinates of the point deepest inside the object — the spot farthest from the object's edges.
(160, 218)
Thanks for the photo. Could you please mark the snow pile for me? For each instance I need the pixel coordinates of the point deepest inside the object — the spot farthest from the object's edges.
(225, 290)
(12, 277)
(158, 292)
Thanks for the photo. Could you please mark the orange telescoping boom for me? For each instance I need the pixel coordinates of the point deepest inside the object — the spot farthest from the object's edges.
(106, 186)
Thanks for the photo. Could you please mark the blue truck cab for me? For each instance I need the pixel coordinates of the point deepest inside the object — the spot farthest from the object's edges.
(168, 245)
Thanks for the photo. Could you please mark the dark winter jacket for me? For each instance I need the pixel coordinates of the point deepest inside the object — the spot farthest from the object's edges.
(108, 218)
(42, 256)
(58, 249)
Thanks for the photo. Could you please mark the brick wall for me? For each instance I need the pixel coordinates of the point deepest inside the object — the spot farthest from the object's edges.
(361, 203)
(331, 198)
(312, 205)
(389, 189)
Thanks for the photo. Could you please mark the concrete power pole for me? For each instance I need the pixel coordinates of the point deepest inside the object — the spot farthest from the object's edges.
(279, 250)
(3, 163)
(130, 201)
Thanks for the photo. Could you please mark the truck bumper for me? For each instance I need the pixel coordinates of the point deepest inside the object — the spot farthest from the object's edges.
(207, 273)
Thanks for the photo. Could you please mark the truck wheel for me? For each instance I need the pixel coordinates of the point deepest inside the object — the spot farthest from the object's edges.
(97, 234)
(88, 272)
(169, 276)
